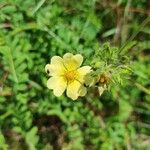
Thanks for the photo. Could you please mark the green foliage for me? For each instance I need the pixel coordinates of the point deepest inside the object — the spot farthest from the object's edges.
(3, 144)
(31, 117)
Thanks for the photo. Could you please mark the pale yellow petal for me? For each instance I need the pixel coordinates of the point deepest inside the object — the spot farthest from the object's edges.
(58, 84)
(73, 90)
(79, 59)
(56, 68)
(72, 62)
(67, 56)
(82, 91)
(47, 70)
(82, 72)
(56, 60)
(101, 90)
(89, 80)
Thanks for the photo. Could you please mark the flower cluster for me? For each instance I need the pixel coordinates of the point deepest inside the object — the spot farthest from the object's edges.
(67, 74)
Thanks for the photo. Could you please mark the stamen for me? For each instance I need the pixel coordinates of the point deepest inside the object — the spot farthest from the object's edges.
(70, 75)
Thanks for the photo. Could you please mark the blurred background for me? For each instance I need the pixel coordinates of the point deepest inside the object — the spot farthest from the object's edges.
(31, 117)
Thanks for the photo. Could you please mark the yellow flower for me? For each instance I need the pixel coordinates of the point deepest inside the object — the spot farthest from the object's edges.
(66, 74)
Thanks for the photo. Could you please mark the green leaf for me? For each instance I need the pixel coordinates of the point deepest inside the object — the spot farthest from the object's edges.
(31, 138)
(6, 51)
(3, 144)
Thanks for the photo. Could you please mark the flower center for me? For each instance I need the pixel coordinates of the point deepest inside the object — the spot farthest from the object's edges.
(70, 75)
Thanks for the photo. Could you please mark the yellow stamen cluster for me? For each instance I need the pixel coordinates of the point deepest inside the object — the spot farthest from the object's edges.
(70, 75)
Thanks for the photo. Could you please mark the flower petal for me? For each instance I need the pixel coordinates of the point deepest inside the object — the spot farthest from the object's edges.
(79, 59)
(47, 70)
(67, 56)
(82, 91)
(72, 62)
(73, 90)
(58, 84)
(82, 72)
(101, 90)
(56, 68)
(89, 80)
(56, 60)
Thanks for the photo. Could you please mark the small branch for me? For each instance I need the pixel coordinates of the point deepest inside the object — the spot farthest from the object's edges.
(5, 25)
(143, 125)
(38, 6)
(141, 87)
